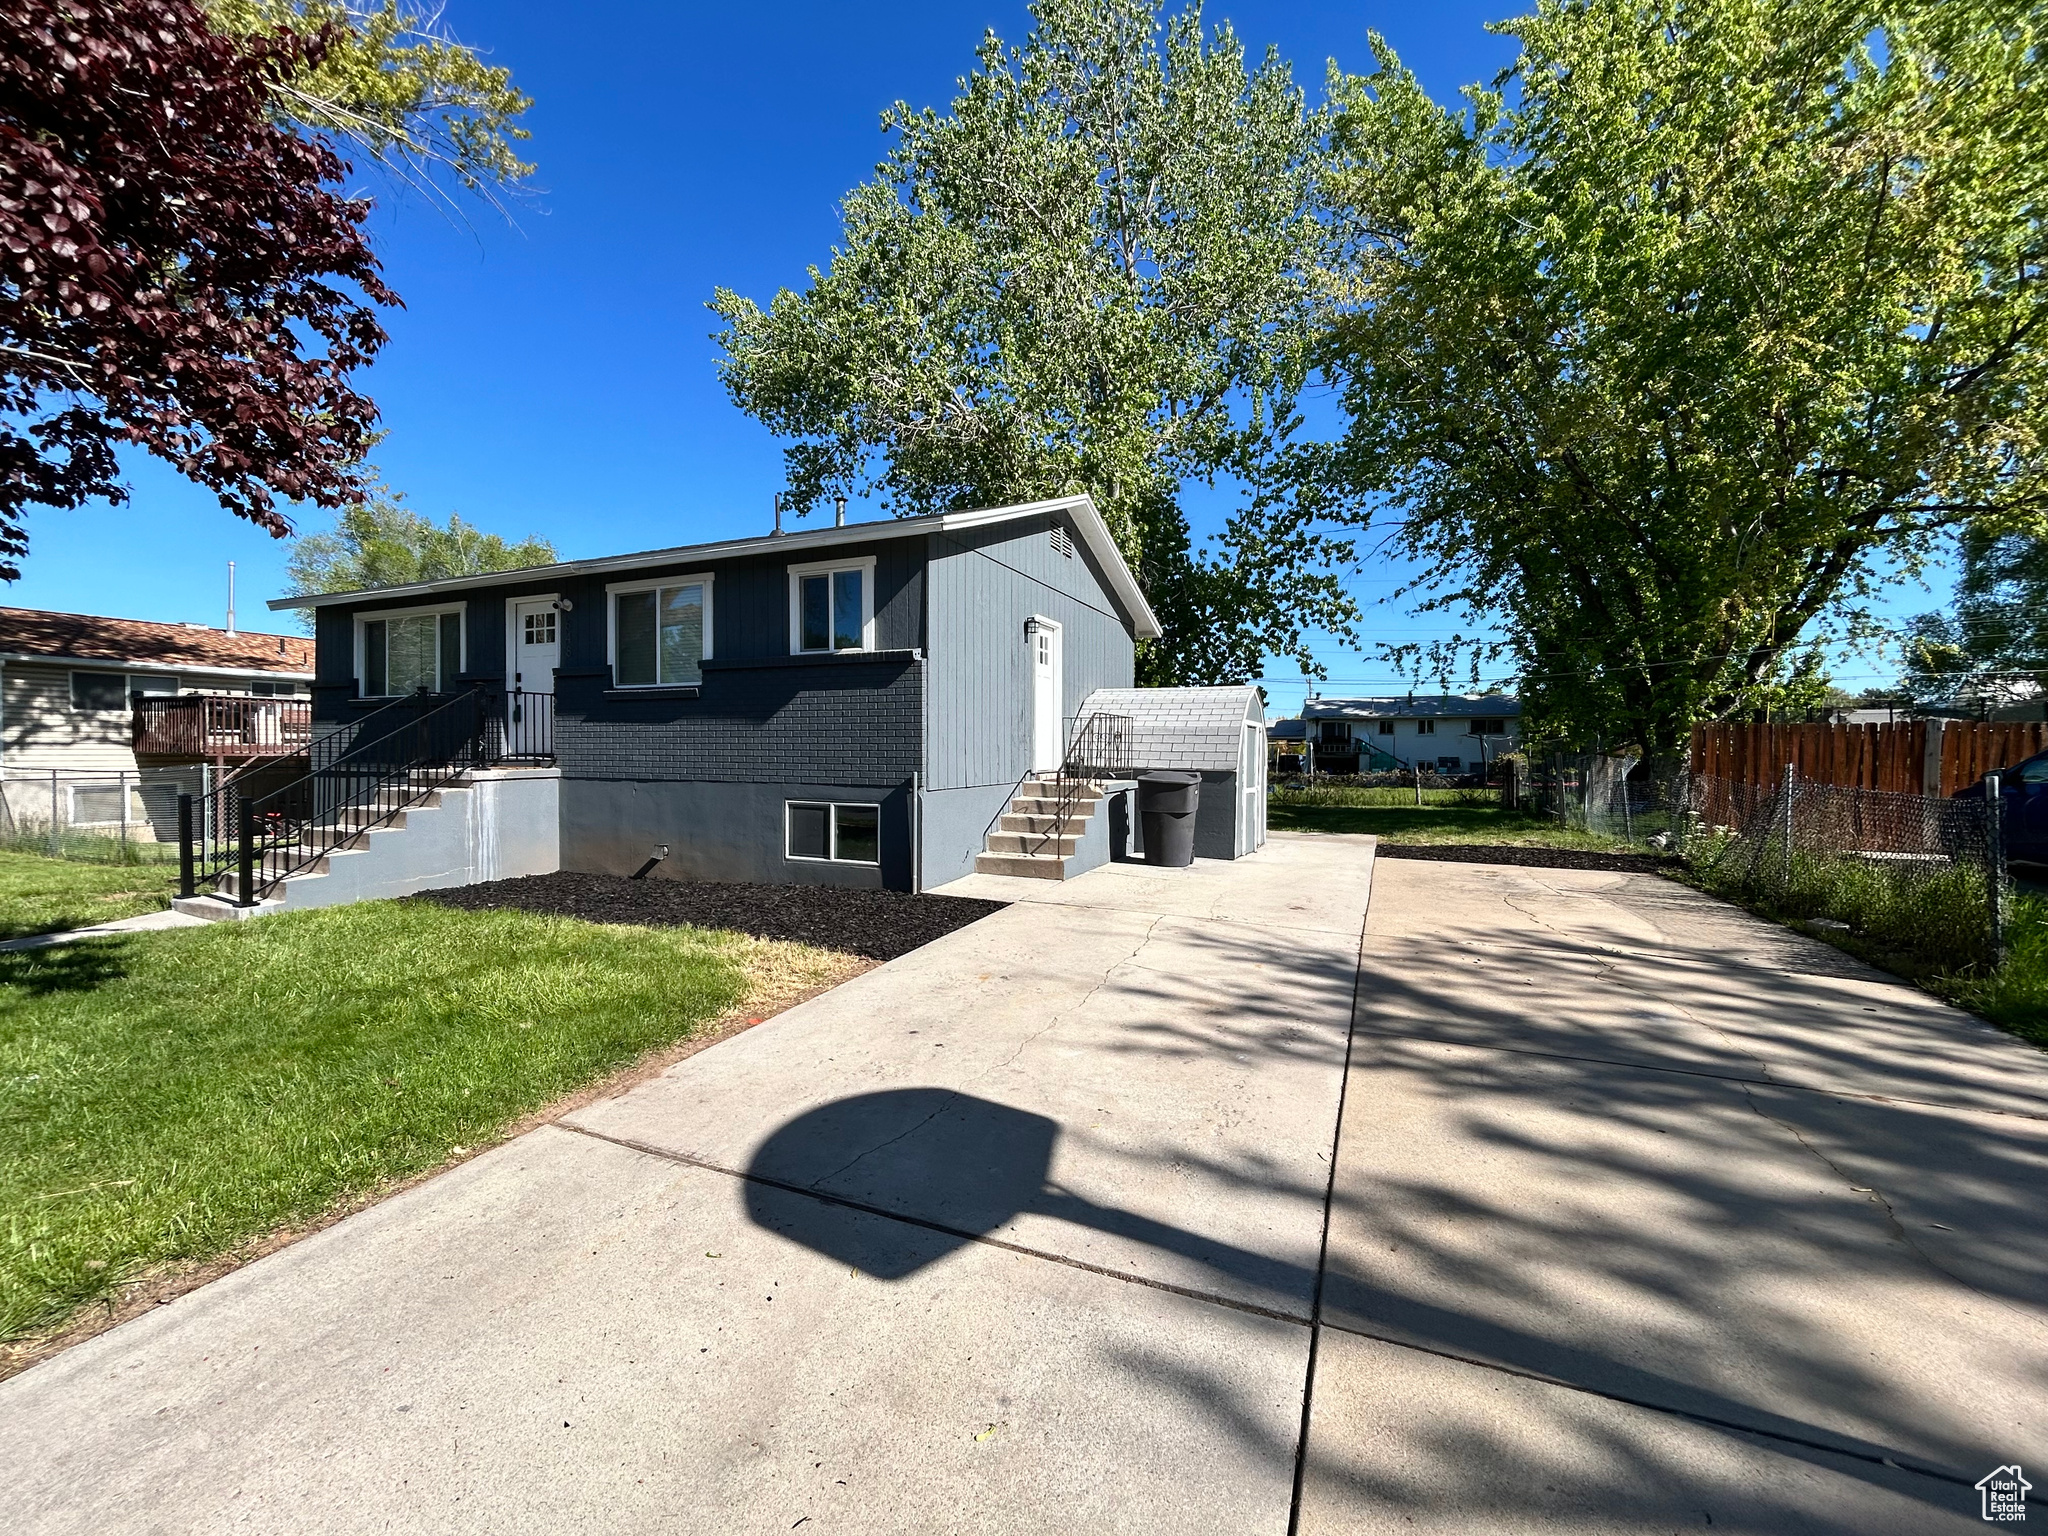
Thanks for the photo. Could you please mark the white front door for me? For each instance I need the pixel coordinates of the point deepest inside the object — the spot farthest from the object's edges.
(1046, 712)
(536, 645)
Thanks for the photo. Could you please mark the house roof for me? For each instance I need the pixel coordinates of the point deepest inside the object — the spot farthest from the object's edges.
(1433, 706)
(1193, 728)
(35, 633)
(1081, 510)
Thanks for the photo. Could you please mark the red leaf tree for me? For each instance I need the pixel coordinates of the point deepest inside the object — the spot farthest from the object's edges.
(177, 271)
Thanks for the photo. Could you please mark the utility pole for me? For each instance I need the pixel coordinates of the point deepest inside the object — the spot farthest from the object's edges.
(231, 597)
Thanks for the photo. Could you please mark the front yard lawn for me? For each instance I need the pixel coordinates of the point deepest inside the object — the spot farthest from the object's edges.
(39, 894)
(169, 1098)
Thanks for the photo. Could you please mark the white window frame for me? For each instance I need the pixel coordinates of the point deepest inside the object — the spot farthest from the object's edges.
(866, 566)
(366, 617)
(1425, 727)
(832, 808)
(615, 590)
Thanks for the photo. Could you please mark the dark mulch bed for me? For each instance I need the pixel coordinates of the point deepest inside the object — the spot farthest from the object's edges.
(878, 924)
(1530, 858)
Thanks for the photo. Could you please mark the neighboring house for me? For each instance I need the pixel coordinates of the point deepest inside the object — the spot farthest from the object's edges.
(107, 720)
(849, 705)
(1451, 733)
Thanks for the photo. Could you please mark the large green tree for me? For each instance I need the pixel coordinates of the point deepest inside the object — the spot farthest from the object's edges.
(381, 542)
(1707, 317)
(392, 82)
(1096, 272)
(1992, 647)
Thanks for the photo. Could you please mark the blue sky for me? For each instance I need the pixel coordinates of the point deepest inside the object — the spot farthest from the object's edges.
(558, 377)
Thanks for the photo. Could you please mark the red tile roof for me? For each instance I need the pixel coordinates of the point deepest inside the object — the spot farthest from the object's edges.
(86, 637)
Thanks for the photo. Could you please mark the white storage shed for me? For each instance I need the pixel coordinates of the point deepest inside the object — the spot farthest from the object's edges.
(1219, 733)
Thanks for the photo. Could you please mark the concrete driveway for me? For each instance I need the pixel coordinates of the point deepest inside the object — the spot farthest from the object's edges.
(1651, 1216)
(1645, 1216)
(1018, 1233)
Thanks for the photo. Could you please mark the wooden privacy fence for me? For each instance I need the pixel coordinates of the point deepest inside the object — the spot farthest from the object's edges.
(1911, 757)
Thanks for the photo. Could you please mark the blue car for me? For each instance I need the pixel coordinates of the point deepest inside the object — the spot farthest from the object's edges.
(2024, 791)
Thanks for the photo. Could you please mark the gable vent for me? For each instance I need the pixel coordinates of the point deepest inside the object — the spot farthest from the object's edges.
(1062, 541)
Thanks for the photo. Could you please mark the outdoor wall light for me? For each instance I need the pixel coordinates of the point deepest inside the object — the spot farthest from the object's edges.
(563, 605)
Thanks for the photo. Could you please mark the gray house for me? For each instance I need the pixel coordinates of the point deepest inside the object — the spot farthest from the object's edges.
(1451, 733)
(851, 705)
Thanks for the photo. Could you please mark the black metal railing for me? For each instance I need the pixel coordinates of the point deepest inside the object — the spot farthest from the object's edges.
(1100, 748)
(214, 812)
(525, 730)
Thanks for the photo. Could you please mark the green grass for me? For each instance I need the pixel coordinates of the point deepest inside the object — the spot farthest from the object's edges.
(169, 1097)
(1448, 821)
(2016, 994)
(45, 895)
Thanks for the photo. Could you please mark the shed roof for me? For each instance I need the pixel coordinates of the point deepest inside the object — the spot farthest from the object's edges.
(39, 633)
(1192, 728)
(1429, 706)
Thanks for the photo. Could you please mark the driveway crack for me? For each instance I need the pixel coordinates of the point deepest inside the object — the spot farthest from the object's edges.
(1877, 1198)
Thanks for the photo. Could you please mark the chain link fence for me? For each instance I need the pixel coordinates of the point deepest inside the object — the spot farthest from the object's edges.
(1910, 874)
(94, 816)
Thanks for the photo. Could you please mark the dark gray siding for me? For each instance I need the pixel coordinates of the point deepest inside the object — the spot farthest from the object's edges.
(983, 584)
(749, 614)
(836, 720)
(720, 831)
(707, 772)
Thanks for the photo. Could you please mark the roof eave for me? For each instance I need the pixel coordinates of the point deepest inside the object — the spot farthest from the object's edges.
(1087, 520)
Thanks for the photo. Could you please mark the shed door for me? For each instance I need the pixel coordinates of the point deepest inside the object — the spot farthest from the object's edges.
(1043, 636)
(1252, 776)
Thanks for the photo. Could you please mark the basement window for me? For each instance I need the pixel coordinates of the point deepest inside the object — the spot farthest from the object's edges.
(823, 832)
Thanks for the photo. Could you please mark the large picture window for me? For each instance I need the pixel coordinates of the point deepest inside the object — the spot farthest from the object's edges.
(661, 634)
(406, 652)
(832, 607)
(835, 834)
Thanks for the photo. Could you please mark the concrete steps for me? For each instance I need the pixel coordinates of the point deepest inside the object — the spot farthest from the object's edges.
(348, 835)
(1032, 840)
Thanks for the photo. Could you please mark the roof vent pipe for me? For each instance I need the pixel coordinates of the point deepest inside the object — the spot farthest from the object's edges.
(778, 512)
(838, 511)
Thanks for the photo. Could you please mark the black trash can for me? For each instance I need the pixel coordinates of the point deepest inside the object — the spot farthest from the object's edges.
(1166, 812)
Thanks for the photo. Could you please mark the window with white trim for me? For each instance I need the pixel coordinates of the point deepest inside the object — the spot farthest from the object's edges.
(1386, 727)
(99, 690)
(832, 606)
(1425, 727)
(825, 832)
(403, 653)
(1494, 727)
(660, 632)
